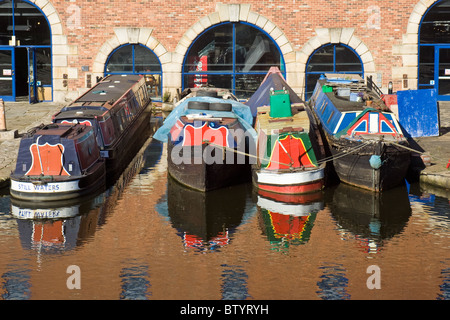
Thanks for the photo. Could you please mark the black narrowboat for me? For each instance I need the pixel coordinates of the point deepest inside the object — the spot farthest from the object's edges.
(57, 162)
(119, 109)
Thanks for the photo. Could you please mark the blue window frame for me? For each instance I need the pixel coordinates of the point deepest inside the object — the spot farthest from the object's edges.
(331, 58)
(137, 59)
(235, 56)
(26, 22)
(434, 49)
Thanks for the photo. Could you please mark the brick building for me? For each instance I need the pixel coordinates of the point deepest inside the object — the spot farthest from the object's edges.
(54, 50)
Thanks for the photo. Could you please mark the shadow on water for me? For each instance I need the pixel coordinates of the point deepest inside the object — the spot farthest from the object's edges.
(372, 217)
(205, 221)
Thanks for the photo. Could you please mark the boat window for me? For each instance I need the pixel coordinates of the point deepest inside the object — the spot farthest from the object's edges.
(137, 59)
(233, 56)
(331, 58)
(331, 116)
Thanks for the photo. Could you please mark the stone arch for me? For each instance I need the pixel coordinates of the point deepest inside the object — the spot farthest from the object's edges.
(129, 36)
(409, 49)
(60, 49)
(234, 13)
(334, 35)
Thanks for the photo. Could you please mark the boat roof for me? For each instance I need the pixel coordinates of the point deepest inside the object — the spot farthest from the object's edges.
(110, 89)
(261, 97)
(68, 131)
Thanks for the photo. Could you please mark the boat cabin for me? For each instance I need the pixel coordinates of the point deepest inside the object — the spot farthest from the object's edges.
(347, 107)
(57, 150)
(109, 107)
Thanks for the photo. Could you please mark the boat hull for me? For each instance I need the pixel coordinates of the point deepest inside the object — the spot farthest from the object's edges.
(48, 189)
(299, 182)
(355, 169)
(120, 155)
(187, 166)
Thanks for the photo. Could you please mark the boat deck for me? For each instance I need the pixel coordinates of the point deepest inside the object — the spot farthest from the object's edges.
(298, 121)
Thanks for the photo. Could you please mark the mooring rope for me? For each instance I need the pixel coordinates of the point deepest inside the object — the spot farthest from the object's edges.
(325, 160)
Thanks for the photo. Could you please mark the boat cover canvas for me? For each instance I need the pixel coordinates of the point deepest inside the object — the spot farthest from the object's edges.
(48, 155)
(240, 111)
(261, 97)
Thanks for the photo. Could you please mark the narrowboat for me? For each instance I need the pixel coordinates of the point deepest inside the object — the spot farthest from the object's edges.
(209, 141)
(57, 162)
(288, 145)
(365, 139)
(119, 109)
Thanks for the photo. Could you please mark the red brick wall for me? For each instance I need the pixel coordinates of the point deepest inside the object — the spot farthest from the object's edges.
(296, 18)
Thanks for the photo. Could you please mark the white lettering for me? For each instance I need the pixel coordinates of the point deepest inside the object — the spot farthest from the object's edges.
(73, 281)
(374, 281)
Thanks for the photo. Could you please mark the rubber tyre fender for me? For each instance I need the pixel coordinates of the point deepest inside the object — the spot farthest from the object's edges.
(198, 105)
(217, 106)
(207, 93)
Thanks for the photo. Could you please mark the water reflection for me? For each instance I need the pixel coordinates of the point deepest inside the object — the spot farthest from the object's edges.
(372, 218)
(205, 221)
(288, 220)
(162, 252)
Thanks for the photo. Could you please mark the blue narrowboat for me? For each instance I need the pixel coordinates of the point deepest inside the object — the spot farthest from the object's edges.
(365, 140)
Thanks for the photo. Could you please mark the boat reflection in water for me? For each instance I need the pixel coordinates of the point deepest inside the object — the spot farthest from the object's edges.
(371, 217)
(63, 225)
(57, 227)
(206, 220)
(288, 219)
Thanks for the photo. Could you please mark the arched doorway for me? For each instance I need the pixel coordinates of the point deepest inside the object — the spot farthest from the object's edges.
(231, 55)
(137, 59)
(434, 49)
(25, 52)
(331, 58)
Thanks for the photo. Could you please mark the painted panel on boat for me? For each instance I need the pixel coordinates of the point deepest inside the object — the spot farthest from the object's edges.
(418, 112)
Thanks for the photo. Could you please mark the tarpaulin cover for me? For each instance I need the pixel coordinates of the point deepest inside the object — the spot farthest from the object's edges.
(418, 112)
(261, 97)
(240, 111)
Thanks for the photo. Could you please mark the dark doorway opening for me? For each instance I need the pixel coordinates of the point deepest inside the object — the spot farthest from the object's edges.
(21, 72)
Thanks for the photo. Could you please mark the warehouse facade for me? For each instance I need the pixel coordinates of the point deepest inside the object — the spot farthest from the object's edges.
(55, 50)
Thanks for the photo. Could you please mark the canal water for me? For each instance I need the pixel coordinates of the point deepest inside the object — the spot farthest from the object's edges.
(149, 238)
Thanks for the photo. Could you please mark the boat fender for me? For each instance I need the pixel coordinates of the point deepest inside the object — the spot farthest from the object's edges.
(375, 162)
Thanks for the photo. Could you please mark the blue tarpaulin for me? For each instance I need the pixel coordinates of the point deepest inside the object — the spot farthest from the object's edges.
(239, 110)
(418, 112)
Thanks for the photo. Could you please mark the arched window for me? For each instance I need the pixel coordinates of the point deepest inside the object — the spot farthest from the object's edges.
(25, 52)
(434, 49)
(235, 56)
(331, 58)
(137, 59)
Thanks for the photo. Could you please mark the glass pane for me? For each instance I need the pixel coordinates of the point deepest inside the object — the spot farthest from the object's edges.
(247, 84)
(322, 60)
(426, 65)
(211, 80)
(145, 60)
(311, 81)
(154, 85)
(5, 22)
(121, 60)
(444, 72)
(347, 60)
(6, 73)
(31, 27)
(212, 51)
(436, 24)
(44, 66)
(255, 51)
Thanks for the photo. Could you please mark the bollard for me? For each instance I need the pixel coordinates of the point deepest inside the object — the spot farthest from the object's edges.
(2, 116)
